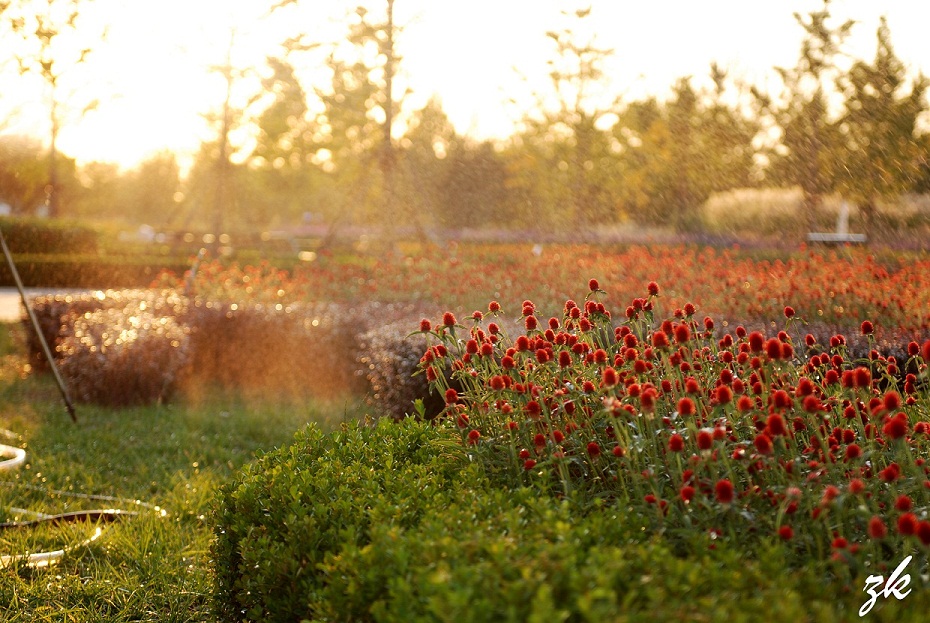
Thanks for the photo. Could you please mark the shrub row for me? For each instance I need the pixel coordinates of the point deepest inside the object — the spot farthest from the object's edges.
(89, 271)
(35, 235)
(390, 523)
(168, 343)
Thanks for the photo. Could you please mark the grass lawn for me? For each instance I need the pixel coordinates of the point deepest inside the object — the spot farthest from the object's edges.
(152, 567)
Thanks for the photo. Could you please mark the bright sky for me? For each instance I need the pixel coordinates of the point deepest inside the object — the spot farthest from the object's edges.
(152, 76)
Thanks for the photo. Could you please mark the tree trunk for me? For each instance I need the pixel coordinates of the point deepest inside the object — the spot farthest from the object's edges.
(53, 201)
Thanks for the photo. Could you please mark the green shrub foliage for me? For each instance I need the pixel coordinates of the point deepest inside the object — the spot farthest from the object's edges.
(300, 508)
(392, 523)
(34, 235)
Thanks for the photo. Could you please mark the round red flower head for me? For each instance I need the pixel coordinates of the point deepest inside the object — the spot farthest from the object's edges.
(724, 491)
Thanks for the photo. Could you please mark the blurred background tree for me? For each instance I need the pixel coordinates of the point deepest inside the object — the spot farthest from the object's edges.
(51, 42)
(882, 156)
(676, 154)
(809, 151)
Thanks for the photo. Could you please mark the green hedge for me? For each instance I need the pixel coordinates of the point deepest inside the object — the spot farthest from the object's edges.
(392, 523)
(35, 235)
(89, 271)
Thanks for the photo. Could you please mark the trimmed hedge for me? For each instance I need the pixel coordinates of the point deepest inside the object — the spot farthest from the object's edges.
(325, 493)
(36, 235)
(89, 271)
(394, 523)
(122, 357)
(259, 350)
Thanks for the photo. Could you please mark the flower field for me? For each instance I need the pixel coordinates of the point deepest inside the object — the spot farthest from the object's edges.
(836, 287)
(705, 400)
(739, 438)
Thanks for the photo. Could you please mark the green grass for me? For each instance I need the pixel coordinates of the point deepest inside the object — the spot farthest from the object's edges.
(150, 567)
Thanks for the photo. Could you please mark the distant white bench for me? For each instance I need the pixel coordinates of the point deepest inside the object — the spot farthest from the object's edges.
(841, 235)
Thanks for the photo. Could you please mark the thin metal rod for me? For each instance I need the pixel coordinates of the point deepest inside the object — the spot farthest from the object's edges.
(38, 329)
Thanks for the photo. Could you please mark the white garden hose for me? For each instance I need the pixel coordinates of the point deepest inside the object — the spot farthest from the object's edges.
(15, 458)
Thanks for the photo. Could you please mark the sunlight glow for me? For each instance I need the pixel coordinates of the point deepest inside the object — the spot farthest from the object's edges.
(153, 75)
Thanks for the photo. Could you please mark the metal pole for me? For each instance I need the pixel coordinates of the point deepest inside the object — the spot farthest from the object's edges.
(38, 329)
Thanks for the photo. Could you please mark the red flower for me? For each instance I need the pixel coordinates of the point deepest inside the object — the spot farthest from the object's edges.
(448, 319)
(686, 493)
(648, 400)
(529, 464)
(425, 325)
(867, 328)
(744, 403)
(452, 396)
(609, 377)
(892, 401)
(653, 288)
(565, 359)
(923, 532)
(531, 323)
(853, 451)
(903, 503)
(785, 533)
(724, 394)
(775, 425)
(763, 443)
(494, 307)
(811, 404)
(856, 486)
(676, 443)
(877, 528)
(907, 524)
(686, 407)
(890, 473)
(473, 436)
(477, 316)
(705, 439)
(533, 409)
(863, 377)
(839, 543)
(660, 339)
(724, 491)
(896, 427)
(789, 312)
(593, 285)
(593, 449)
(781, 399)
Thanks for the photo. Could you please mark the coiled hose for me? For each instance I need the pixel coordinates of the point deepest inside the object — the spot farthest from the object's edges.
(14, 458)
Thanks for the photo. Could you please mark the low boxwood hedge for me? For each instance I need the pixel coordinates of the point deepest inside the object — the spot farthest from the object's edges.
(37, 235)
(267, 351)
(394, 523)
(89, 271)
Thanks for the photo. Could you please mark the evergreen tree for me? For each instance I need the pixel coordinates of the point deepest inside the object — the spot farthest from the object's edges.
(882, 158)
(809, 137)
